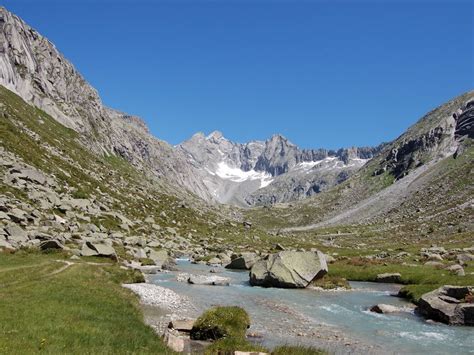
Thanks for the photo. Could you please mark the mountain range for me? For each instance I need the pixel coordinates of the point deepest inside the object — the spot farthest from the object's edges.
(211, 167)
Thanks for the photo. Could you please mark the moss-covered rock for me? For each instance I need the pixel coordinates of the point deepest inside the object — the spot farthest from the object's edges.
(221, 322)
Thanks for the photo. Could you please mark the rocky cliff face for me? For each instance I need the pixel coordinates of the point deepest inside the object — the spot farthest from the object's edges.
(32, 67)
(437, 140)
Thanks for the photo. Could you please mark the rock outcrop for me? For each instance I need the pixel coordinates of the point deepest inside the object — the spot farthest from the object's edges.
(449, 304)
(289, 269)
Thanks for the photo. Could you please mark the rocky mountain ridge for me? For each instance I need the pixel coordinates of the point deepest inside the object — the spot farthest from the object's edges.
(268, 171)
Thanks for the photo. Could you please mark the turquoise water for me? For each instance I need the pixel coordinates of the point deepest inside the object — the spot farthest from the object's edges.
(280, 314)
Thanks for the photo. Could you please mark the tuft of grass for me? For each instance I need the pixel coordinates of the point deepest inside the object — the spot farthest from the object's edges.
(227, 346)
(330, 282)
(221, 322)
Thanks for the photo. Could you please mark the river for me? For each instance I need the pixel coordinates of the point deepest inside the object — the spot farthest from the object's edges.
(336, 321)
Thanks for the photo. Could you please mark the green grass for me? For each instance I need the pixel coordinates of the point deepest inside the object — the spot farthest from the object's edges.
(418, 279)
(227, 346)
(297, 350)
(81, 310)
(221, 322)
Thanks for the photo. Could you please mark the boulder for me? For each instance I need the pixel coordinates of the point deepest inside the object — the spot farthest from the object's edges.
(456, 269)
(464, 258)
(394, 277)
(449, 304)
(17, 215)
(86, 251)
(16, 234)
(214, 261)
(208, 280)
(289, 269)
(183, 325)
(161, 258)
(51, 244)
(4, 245)
(385, 309)
(98, 249)
(244, 262)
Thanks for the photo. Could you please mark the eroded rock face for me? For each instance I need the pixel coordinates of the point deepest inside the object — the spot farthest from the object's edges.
(289, 269)
(449, 304)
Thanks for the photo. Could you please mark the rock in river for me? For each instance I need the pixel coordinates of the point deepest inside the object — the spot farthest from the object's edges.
(243, 262)
(449, 304)
(208, 280)
(289, 269)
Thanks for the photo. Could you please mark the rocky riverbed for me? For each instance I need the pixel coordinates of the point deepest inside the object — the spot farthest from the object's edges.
(337, 321)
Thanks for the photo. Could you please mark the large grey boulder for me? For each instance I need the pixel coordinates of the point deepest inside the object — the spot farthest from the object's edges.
(98, 249)
(289, 269)
(449, 304)
(244, 262)
(16, 234)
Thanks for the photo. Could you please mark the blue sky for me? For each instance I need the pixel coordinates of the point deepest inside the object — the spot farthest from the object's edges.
(323, 73)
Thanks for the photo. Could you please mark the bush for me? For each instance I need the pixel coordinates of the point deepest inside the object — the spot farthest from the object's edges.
(221, 322)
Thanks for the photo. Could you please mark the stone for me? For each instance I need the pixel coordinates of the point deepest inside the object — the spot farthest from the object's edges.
(160, 257)
(463, 259)
(4, 216)
(208, 280)
(278, 246)
(174, 342)
(289, 269)
(384, 309)
(244, 262)
(214, 261)
(389, 278)
(4, 245)
(87, 251)
(449, 304)
(33, 176)
(102, 249)
(456, 269)
(16, 234)
(434, 257)
(51, 244)
(17, 215)
(182, 325)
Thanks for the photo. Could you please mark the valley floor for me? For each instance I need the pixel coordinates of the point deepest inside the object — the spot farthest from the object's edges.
(53, 305)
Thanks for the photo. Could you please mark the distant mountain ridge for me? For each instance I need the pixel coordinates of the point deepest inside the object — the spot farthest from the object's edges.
(244, 173)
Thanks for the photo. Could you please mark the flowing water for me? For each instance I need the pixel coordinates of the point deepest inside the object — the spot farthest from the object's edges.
(337, 321)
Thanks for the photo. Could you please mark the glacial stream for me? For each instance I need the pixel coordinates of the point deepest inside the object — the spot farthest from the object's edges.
(337, 321)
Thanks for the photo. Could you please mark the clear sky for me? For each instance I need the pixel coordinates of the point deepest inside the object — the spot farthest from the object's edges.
(323, 73)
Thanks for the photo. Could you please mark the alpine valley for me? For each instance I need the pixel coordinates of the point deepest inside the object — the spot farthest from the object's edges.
(90, 200)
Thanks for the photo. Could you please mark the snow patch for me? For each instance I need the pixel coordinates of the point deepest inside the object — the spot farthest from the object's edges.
(227, 172)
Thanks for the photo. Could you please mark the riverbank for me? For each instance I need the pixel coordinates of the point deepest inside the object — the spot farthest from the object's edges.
(78, 307)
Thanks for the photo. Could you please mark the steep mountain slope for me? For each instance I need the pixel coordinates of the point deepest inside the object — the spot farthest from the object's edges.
(424, 175)
(268, 172)
(32, 67)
